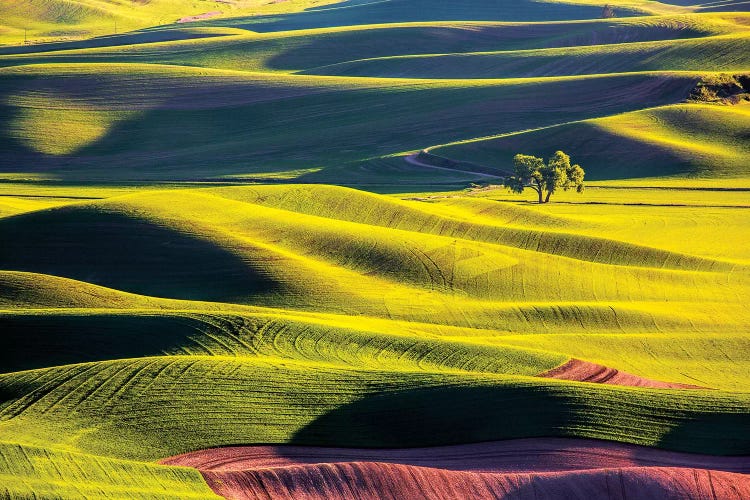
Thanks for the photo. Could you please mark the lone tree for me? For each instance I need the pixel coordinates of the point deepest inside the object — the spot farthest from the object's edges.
(545, 179)
(608, 12)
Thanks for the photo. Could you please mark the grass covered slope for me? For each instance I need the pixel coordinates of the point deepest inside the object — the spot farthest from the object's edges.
(129, 411)
(437, 83)
(124, 117)
(721, 53)
(325, 49)
(510, 269)
(41, 472)
(693, 140)
(263, 253)
(349, 332)
(48, 20)
(156, 299)
(358, 12)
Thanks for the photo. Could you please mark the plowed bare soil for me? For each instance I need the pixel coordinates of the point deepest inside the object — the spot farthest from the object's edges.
(369, 480)
(585, 371)
(524, 468)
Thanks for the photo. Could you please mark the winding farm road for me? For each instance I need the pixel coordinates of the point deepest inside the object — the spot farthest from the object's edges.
(413, 160)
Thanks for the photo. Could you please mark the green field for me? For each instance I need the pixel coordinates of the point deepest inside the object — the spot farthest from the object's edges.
(210, 234)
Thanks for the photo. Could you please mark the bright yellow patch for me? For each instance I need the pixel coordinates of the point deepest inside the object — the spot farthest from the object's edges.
(58, 126)
(652, 128)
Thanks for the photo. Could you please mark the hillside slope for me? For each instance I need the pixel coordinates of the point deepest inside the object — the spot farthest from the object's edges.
(697, 140)
(267, 249)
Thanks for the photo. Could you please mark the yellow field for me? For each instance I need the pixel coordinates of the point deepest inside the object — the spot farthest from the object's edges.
(283, 223)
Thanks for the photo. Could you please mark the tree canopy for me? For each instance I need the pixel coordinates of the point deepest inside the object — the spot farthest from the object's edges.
(545, 178)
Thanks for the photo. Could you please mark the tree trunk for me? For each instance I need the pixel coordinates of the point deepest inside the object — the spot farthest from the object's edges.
(546, 199)
(539, 191)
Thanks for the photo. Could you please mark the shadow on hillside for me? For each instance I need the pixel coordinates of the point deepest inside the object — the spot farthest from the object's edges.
(442, 415)
(358, 12)
(160, 34)
(128, 254)
(230, 126)
(352, 50)
(456, 414)
(604, 155)
(732, 423)
(40, 341)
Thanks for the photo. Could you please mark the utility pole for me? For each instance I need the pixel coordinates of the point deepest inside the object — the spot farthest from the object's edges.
(25, 38)
(115, 27)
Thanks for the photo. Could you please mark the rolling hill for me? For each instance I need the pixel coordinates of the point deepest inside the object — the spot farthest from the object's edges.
(696, 140)
(266, 251)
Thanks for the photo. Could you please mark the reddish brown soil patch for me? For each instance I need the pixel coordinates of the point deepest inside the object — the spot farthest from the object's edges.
(584, 371)
(367, 480)
(523, 468)
(199, 17)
